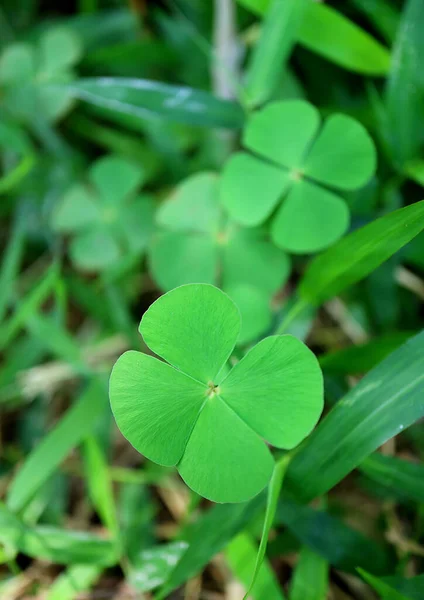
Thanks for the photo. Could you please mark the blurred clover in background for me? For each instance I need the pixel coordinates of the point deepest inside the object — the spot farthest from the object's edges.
(28, 72)
(292, 158)
(106, 218)
(198, 243)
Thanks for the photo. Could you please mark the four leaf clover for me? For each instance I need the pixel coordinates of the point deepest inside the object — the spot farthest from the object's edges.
(108, 220)
(27, 72)
(293, 159)
(193, 412)
(197, 244)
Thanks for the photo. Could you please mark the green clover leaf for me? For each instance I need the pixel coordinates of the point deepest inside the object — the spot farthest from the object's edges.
(293, 159)
(107, 220)
(196, 243)
(28, 71)
(190, 411)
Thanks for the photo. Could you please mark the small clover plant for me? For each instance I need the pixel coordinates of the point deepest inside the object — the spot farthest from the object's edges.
(27, 72)
(194, 413)
(107, 220)
(292, 159)
(197, 243)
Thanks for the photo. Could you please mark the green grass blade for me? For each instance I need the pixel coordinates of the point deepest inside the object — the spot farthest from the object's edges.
(384, 590)
(362, 358)
(27, 307)
(274, 490)
(11, 263)
(362, 251)
(385, 402)
(241, 555)
(310, 579)
(343, 547)
(401, 478)
(73, 581)
(59, 546)
(277, 38)
(333, 36)
(208, 536)
(99, 484)
(54, 338)
(405, 86)
(145, 100)
(54, 447)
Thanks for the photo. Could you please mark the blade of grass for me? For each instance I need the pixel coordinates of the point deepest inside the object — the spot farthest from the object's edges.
(47, 456)
(99, 484)
(274, 490)
(28, 306)
(146, 100)
(362, 251)
(277, 38)
(241, 556)
(385, 402)
(73, 581)
(11, 263)
(310, 578)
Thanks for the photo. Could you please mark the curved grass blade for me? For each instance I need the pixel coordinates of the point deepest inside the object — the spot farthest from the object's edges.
(405, 111)
(386, 401)
(362, 251)
(278, 36)
(50, 452)
(144, 100)
(274, 490)
(241, 554)
(333, 36)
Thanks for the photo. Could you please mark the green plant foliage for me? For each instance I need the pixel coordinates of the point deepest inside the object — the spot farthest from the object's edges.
(28, 74)
(196, 243)
(330, 34)
(310, 579)
(364, 249)
(107, 219)
(211, 429)
(294, 158)
(204, 169)
(144, 100)
(384, 403)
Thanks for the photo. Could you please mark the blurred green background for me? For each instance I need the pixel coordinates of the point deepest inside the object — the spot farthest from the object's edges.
(117, 121)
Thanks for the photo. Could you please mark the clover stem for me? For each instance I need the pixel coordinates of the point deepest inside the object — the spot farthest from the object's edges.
(298, 307)
(274, 489)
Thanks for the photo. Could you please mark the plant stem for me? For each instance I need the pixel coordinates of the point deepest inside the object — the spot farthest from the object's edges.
(274, 490)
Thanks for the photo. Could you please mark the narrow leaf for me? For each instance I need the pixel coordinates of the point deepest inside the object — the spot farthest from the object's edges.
(99, 483)
(278, 36)
(362, 251)
(11, 263)
(59, 546)
(333, 36)
(405, 85)
(208, 536)
(403, 478)
(342, 546)
(274, 490)
(330, 34)
(310, 579)
(384, 403)
(76, 579)
(54, 447)
(146, 100)
(241, 555)
(384, 590)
